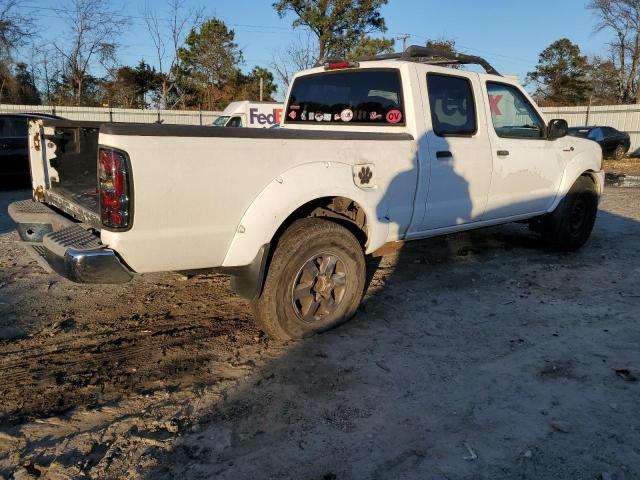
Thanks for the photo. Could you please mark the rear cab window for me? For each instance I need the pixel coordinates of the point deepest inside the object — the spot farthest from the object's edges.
(347, 97)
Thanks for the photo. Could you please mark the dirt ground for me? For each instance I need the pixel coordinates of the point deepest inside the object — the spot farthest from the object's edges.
(475, 356)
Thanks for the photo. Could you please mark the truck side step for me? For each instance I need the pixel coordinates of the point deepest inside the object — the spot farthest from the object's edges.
(73, 236)
(34, 220)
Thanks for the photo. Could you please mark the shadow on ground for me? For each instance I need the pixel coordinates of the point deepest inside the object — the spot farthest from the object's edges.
(481, 356)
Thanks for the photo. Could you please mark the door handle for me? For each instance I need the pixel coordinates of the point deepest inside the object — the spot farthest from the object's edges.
(443, 154)
(503, 153)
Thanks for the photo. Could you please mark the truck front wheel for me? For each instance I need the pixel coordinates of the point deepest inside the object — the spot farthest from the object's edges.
(315, 280)
(568, 227)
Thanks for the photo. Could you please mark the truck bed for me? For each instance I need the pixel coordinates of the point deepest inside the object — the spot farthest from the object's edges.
(72, 151)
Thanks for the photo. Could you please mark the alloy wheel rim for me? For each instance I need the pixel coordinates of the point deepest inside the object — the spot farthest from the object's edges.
(319, 287)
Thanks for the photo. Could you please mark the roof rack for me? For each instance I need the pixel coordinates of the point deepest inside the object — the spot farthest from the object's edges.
(433, 56)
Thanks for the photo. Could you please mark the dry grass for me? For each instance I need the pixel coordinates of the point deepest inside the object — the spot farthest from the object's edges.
(629, 166)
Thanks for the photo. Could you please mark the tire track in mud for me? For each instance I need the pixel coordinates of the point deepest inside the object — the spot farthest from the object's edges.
(67, 368)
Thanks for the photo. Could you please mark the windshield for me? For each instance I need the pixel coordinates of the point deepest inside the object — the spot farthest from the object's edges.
(361, 97)
(221, 121)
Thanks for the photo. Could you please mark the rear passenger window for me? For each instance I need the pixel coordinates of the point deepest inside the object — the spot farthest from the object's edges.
(452, 107)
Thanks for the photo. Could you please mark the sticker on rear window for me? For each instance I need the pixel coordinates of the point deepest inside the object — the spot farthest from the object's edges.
(394, 116)
(346, 115)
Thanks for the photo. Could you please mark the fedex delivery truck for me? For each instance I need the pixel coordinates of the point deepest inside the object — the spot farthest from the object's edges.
(250, 114)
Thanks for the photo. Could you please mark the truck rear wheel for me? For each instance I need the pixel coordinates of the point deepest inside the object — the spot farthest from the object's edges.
(568, 227)
(315, 280)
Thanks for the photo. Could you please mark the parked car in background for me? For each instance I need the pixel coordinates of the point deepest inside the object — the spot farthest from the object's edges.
(250, 114)
(14, 148)
(614, 143)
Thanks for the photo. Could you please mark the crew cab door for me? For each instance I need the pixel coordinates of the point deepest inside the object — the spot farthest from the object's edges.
(458, 150)
(526, 166)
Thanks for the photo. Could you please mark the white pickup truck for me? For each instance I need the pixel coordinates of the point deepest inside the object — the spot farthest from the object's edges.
(371, 154)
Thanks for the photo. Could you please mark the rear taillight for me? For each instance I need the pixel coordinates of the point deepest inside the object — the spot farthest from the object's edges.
(115, 198)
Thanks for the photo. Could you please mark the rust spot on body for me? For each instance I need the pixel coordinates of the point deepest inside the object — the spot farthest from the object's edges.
(36, 142)
(38, 193)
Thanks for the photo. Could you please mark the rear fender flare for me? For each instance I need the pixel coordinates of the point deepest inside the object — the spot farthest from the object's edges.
(293, 189)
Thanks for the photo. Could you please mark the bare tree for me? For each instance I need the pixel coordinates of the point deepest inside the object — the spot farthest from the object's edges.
(300, 54)
(92, 31)
(168, 36)
(15, 27)
(622, 17)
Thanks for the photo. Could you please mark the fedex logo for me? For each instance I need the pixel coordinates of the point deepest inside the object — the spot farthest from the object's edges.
(262, 119)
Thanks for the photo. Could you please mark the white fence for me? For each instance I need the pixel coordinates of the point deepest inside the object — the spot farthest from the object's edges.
(625, 118)
(132, 115)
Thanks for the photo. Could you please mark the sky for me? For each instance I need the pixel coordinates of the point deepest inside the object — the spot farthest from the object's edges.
(510, 34)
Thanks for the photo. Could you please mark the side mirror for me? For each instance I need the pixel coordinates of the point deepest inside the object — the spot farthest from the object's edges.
(557, 128)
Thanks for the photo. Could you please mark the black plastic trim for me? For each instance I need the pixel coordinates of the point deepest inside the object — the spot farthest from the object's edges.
(63, 122)
(422, 55)
(154, 130)
(247, 280)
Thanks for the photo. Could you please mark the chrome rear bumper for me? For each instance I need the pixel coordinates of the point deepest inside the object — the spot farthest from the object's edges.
(65, 247)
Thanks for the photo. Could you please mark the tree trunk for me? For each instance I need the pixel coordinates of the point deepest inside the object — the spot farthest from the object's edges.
(165, 94)
(79, 92)
(633, 71)
(622, 60)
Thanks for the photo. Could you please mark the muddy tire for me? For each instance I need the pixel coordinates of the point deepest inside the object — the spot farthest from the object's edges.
(568, 227)
(315, 280)
(619, 152)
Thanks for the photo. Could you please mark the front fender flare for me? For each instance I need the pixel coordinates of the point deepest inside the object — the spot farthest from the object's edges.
(579, 165)
(293, 189)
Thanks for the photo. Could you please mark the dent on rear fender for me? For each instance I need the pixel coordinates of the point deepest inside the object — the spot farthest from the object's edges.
(291, 190)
